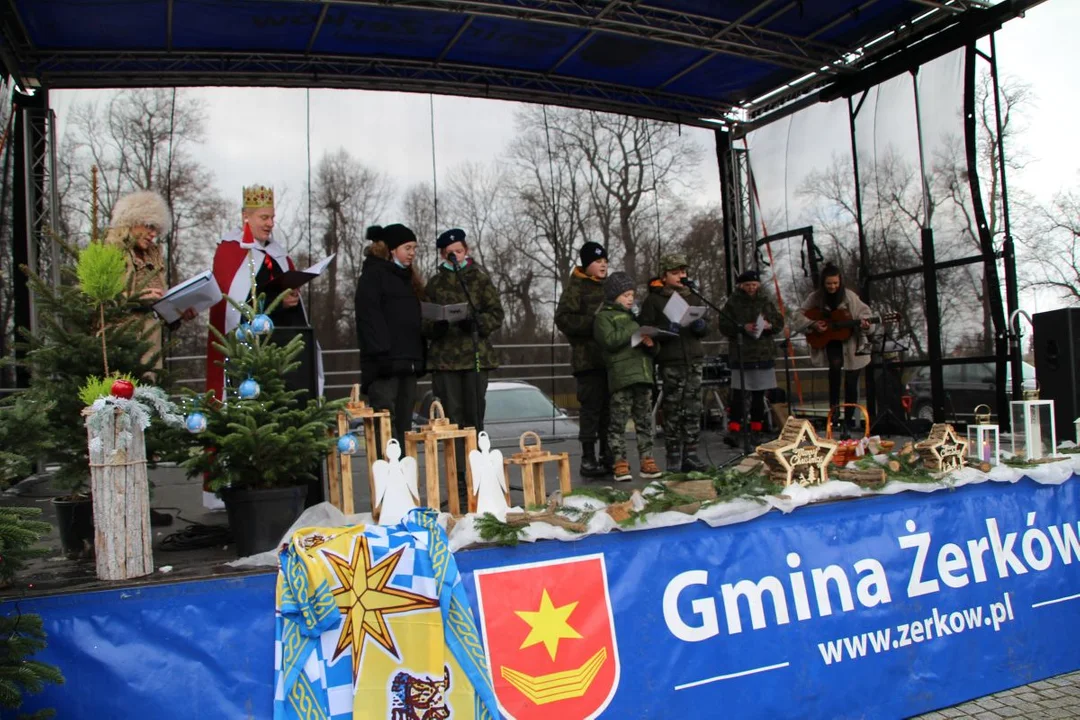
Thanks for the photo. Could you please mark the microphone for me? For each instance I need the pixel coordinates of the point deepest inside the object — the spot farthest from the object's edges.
(452, 257)
(688, 282)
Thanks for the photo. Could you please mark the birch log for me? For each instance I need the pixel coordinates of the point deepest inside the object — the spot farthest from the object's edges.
(121, 500)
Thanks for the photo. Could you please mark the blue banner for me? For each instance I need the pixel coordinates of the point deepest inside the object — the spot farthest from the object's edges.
(879, 607)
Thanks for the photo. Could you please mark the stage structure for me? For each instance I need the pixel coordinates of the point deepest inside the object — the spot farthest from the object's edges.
(732, 67)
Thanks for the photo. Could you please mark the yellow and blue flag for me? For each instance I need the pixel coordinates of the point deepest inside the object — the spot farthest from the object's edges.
(373, 622)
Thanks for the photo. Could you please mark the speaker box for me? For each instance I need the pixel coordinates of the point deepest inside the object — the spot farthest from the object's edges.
(1057, 352)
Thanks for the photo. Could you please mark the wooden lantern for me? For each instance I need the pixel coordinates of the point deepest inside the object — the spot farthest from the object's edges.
(798, 455)
(531, 460)
(440, 431)
(943, 450)
(376, 435)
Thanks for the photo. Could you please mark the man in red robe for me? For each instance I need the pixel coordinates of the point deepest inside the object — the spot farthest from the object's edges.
(243, 252)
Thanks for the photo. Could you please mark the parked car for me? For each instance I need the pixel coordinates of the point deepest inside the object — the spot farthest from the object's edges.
(966, 386)
(512, 408)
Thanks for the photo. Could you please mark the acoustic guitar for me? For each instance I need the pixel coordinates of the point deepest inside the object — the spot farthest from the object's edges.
(841, 325)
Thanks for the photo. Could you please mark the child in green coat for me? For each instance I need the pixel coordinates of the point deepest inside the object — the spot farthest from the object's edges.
(630, 375)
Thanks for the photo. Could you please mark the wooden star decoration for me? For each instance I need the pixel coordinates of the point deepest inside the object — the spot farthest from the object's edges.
(364, 599)
(942, 450)
(798, 455)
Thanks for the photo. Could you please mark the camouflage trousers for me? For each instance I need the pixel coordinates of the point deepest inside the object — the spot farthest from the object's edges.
(681, 385)
(631, 403)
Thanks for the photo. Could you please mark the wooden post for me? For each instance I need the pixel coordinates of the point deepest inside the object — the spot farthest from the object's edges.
(121, 500)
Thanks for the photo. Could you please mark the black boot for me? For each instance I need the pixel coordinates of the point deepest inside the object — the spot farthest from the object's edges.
(589, 466)
(607, 459)
(690, 460)
(673, 461)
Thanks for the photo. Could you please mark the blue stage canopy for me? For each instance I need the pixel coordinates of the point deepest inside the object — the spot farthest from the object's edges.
(691, 61)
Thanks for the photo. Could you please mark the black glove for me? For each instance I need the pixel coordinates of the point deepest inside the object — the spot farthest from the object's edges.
(440, 328)
(698, 325)
(674, 327)
(466, 324)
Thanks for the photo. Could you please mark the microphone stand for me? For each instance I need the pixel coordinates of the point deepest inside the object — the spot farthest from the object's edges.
(745, 429)
(475, 315)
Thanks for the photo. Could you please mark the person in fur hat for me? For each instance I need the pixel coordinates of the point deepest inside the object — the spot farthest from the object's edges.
(138, 220)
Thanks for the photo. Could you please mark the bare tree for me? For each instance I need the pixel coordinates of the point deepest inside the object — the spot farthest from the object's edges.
(628, 162)
(1057, 262)
(418, 207)
(143, 140)
(347, 197)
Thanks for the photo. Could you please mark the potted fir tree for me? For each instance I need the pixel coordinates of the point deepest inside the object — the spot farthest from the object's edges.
(259, 445)
(73, 330)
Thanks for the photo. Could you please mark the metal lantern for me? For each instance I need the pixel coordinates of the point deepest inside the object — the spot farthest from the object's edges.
(1033, 434)
(983, 442)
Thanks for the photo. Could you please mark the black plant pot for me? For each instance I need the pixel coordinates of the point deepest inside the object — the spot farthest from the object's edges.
(75, 520)
(259, 517)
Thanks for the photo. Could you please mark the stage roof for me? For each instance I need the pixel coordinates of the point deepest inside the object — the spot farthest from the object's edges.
(690, 61)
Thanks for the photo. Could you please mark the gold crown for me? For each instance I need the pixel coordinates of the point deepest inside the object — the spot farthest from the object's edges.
(258, 196)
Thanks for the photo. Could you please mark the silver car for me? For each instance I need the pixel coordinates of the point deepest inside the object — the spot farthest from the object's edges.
(512, 408)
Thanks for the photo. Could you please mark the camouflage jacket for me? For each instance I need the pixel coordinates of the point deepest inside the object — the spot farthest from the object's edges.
(626, 365)
(451, 348)
(684, 349)
(742, 309)
(574, 316)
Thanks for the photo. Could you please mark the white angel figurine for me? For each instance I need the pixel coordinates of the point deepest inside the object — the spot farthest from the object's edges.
(489, 479)
(396, 491)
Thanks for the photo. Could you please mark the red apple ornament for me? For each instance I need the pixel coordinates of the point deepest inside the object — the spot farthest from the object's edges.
(123, 389)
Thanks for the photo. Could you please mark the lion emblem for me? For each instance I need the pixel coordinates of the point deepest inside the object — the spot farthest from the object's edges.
(419, 698)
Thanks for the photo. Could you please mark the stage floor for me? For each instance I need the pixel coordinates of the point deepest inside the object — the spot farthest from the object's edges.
(181, 497)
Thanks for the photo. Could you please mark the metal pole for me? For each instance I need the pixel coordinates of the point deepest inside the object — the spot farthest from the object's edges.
(1012, 295)
(727, 201)
(864, 250)
(930, 285)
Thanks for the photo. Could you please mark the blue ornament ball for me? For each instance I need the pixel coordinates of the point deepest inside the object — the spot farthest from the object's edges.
(244, 333)
(261, 324)
(348, 444)
(195, 422)
(248, 390)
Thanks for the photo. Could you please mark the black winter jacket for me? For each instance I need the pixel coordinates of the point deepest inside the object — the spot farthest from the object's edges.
(387, 322)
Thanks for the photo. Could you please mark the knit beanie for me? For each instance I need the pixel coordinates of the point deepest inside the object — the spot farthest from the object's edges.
(392, 235)
(616, 284)
(591, 252)
(748, 276)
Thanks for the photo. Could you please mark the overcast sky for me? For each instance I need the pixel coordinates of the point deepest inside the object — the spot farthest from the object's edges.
(260, 135)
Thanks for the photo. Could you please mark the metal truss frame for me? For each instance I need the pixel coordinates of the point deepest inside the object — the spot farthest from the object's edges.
(822, 64)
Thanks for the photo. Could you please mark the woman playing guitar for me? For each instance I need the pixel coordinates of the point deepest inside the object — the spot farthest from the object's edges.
(835, 321)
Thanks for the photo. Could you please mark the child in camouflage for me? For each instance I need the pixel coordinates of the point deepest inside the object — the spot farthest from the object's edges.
(630, 375)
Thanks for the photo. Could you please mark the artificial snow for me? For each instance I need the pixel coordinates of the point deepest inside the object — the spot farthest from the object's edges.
(463, 534)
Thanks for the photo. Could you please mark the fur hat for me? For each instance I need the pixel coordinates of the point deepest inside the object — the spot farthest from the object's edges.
(144, 207)
(616, 284)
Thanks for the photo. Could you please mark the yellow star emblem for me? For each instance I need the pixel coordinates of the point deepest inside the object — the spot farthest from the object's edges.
(548, 625)
(365, 600)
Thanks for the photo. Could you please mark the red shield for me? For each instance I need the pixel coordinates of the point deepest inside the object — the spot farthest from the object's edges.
(549, 633)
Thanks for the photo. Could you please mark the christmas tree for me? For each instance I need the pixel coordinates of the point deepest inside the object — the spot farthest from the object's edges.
(67, 346)
(260, 435)
(21, 635)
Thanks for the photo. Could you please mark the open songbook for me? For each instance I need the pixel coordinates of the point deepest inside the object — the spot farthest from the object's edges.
(677, 310)
(293, 279)
(451, 313)
(198, 293)
(648, 331)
